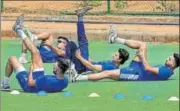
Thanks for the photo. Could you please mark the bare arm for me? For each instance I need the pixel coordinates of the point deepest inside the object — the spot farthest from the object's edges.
(58, 51)
(88, 64)
(31, 81)
(147, 67)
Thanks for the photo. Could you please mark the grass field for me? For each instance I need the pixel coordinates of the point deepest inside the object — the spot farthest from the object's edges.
(79, 101)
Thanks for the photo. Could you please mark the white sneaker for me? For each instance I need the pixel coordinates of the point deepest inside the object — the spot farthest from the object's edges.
(4, 86)
(23, 60)
(112, 34)
(72, 74)
(82, 11)
(19, 23)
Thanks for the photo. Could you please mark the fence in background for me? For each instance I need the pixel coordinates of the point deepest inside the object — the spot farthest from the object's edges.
(117, 7)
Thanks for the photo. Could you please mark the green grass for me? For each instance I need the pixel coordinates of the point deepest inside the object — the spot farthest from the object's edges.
(99, 50)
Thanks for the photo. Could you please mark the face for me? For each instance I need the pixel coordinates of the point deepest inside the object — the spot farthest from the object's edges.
(170, 61)
(116, 56)
(61, 43)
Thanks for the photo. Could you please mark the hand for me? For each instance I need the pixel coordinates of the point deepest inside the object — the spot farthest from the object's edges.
(140, 53)
(78, 53)
(47, 43)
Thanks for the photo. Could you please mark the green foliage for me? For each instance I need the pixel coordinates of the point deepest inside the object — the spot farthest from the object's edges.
(166, 6)
(94, 3)
(120, 4)
(2, 5)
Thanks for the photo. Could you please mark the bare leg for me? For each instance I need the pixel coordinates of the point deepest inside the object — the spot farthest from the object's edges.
(24, 49)
(42, 36)
(22, 58)
(45, 36)
(113, 74)
(133, 44)
(113, 37)
(35, 56)
(12, 65)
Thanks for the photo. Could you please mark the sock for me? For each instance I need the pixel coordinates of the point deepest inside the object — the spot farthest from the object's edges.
(23, 54)
(35, 36)
(72, 66)
(21, 34)
(82, 77)
(6, 80)
(80, 18)
(120, 41)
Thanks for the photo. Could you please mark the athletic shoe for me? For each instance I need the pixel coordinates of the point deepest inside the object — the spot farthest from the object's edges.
(23, 60)
(72, 75)
(19, 23)
(112, 34)
(4, 86)
(82, 11)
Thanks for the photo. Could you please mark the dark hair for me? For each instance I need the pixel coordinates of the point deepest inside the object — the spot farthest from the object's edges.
(63, 64)
(177, 57)
(61, 37)
(123, 55)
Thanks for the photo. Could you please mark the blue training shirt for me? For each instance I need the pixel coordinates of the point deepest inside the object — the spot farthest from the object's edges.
(47, 54)
(106, 65)
(163, 74)
(51, 83)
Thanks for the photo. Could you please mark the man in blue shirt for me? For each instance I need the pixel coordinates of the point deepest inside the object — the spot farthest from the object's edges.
(49, 53)
(34, 80)
(139, 69)
(81, 56)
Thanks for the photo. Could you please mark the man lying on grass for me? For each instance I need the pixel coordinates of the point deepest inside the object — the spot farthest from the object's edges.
(35, 80)
(139, 69)
(82, 63)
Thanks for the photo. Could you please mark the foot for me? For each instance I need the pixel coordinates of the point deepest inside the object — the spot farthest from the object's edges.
(29, 33)
(112, 34)
(4, 86)
(19, 23)
(23, 60)
(72, 74)
(82, 11)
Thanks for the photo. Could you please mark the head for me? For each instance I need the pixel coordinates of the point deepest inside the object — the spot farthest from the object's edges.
(173, 61)
(62, 42)
(121, 56)
(61, 66)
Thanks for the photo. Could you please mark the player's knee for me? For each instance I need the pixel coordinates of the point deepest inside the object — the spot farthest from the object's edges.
(49, 34)
(143, 45)
(12, 58)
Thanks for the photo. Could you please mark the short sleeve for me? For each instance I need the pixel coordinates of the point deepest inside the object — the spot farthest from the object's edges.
(164, 72)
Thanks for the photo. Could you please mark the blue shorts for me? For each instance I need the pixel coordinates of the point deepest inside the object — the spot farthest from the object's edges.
(50, 83)
(131, 73)
(22, 78)
(47, 55)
